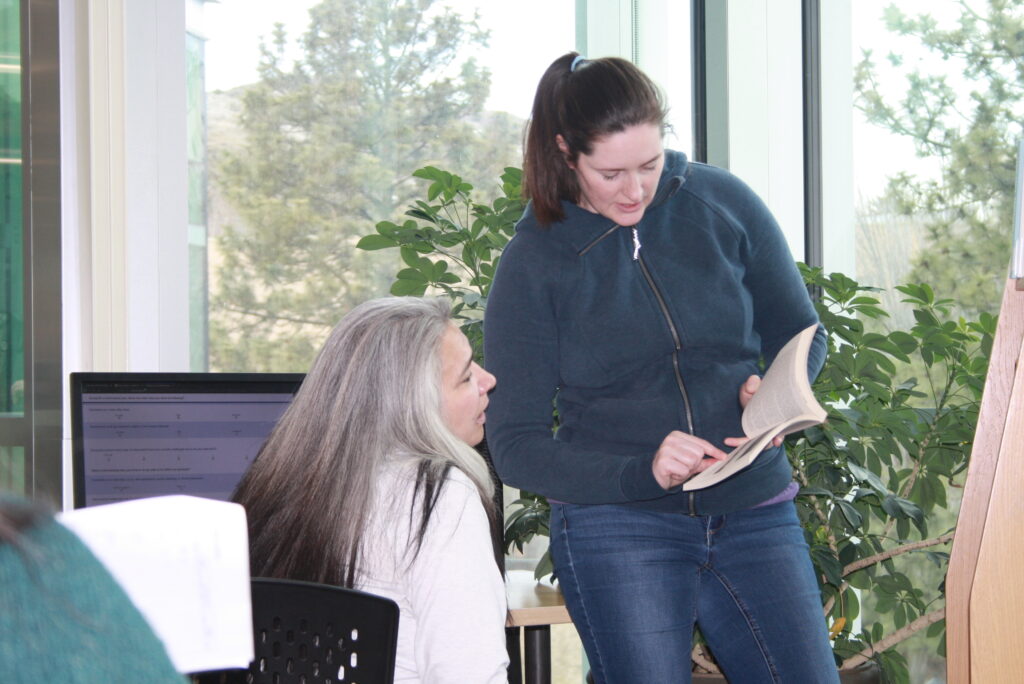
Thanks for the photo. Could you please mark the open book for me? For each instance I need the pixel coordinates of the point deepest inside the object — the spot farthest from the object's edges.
(784, 403)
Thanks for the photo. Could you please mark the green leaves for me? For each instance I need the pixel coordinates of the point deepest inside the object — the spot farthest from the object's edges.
(903, 407)
(451, 243)
(374, 242)
(445, 184)
(530, 517)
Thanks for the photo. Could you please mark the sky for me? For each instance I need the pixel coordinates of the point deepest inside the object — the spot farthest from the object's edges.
(878, 154)
(516, 58)
(524, 46)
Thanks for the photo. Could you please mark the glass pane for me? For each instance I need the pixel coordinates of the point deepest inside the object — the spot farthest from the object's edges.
(921, 119)
(12, 469)
(316, 115)
(12, 358)
(306, 123)
(936, 121)
(197, 232)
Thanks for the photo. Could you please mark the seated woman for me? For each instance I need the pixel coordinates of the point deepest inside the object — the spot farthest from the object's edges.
(63, 617)
(369, 481)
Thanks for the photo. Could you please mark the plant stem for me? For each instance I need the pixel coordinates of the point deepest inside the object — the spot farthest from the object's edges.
(896, 551)
(832, 543)
(879, 557)
(896, 637)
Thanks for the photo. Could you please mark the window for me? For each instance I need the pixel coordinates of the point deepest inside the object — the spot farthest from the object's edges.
(306, 123)
(934, 121)
(30, 374)
(920, 124)
(312, 141)
(312, 131)
(754, 96)
(12, 351)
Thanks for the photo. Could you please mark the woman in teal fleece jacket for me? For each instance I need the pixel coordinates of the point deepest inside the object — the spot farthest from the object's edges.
(641, 292)
(63, 617)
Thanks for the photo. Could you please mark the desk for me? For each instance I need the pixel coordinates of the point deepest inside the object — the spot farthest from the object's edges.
(533, 607)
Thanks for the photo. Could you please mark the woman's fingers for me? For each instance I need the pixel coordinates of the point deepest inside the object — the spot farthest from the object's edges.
(737, 441)
(682, 455)
(748, 389)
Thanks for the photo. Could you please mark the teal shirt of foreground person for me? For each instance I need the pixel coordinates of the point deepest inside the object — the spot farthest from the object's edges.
(63, 617)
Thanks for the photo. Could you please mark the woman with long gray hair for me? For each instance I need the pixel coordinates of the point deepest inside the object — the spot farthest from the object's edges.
(369, 481)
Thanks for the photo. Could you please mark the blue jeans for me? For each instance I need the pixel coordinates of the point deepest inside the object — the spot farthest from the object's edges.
(635, 582)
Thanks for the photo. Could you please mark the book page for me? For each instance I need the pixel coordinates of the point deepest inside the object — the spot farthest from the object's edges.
(184, 562)
(785, 391)
(743, 455)
(784, 403)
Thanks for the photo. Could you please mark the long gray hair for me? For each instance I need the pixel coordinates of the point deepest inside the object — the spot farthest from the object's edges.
(372, 394)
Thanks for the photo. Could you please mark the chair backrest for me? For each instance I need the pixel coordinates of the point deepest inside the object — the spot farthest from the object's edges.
(320, 634)
(307, 633)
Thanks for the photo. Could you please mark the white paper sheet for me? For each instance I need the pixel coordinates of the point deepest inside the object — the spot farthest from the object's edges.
(184, 561)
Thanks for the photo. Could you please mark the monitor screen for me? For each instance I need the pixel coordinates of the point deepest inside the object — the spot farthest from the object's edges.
(135, 435)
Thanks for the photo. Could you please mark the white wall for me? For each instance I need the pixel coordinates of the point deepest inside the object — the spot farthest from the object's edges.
(124, 184)
(126, 295)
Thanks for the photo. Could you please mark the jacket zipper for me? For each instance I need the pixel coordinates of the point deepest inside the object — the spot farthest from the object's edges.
(664, 312)
(672, 329)
(675, 340)
(600, 237)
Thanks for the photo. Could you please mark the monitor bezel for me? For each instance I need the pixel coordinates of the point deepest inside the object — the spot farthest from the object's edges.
(150, 382)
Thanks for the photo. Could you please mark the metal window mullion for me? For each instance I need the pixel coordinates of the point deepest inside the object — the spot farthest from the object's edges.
(42, 261)
(813, 204)
(698, 32)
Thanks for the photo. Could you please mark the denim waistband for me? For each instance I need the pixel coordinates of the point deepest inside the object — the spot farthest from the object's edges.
(787, 494)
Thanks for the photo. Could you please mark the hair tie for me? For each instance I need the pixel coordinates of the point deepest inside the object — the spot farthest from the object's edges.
(576, 62)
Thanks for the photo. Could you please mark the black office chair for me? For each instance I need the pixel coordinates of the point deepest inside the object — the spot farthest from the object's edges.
(308, 633)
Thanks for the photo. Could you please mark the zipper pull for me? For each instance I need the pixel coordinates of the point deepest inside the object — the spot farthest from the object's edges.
(636, 244)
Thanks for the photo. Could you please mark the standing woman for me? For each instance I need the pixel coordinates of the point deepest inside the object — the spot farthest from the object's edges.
(369, 481)
(640, 292)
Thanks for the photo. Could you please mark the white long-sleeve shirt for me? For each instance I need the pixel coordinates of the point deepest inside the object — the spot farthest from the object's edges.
(451, 597)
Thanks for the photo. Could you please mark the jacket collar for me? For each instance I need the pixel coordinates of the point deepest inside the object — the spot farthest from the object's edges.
(580, 227)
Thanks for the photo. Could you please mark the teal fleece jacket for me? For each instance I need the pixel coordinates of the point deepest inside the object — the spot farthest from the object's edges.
(635, 332)
(63, 617)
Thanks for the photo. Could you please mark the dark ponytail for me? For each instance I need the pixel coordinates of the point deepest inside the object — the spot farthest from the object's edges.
(582, 100)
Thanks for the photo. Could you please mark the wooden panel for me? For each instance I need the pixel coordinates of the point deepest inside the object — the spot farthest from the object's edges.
(976, 507)
(997, 599)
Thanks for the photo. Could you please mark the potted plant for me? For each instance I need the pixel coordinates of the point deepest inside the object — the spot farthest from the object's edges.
(878, 480)
(451, 243)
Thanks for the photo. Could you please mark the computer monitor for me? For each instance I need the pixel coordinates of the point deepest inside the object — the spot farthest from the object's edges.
(135, 435)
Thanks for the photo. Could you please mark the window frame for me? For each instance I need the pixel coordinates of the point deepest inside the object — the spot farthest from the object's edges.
(37, 432)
